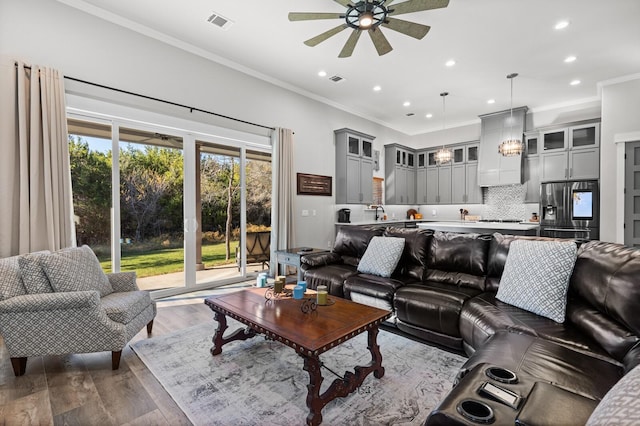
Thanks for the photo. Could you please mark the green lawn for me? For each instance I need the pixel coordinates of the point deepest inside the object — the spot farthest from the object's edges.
(164, 261)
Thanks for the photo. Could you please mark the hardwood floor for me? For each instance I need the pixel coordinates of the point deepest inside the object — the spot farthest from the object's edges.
(81, 389)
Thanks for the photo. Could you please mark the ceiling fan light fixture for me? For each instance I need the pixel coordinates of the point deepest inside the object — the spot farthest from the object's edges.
(365, 20)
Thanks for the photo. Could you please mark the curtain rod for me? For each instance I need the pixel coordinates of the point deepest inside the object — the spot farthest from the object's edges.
(191, 109)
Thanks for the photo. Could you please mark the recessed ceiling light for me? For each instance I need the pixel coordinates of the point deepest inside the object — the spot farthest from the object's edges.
(377, 88)
(570, 59)
(406, 103)
(322, 73)
(575, 82)
(491, 101)
(450, 63)
(561, 25)
(429, 115)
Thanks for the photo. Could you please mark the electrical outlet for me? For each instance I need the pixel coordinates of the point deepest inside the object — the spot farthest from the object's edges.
(305, 212)
(434, 212)
(313, 212)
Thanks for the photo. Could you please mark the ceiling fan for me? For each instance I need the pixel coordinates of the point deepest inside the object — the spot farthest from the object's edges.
(370, 15)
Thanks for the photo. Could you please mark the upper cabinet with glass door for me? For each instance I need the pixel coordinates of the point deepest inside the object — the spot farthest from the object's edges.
(554, 140)
(360, 147)
(584, 136)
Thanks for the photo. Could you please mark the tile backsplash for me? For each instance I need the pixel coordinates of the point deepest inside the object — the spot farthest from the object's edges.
(505, 202)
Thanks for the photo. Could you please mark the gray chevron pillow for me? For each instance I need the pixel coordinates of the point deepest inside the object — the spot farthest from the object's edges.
(536, 277)
(620, 405)
(77, 269)
(382, 256)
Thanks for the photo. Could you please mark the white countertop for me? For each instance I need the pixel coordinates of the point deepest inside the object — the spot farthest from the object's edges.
(523, 226)
(380, 222)
(422, 223)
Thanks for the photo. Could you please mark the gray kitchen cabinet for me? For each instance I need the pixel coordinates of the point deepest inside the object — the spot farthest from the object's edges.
(570, 153)
(400, 175)
(458, 183)
(584, 163)
(464, 184)
(531, 172)
(474, 191)
(554, 166)
(421, 177)
(439, 185)
(421, 186)
(354, 167)
(494, 168)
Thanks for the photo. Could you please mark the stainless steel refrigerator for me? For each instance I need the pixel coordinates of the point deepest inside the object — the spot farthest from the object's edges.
(570, 210)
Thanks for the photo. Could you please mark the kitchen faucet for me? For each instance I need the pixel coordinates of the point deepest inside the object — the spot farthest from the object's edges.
(379, 207)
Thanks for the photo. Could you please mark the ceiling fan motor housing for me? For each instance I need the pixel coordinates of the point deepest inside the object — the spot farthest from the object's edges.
(375, 9)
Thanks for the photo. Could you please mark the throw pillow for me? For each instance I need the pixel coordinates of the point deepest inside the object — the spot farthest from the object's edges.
(536, 277)
(77, 269)
(382, 256)
(10, 278)
(33, 277)
(620, 405)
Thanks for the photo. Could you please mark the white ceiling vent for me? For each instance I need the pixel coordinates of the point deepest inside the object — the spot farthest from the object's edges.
(220, 21)
(336, 79)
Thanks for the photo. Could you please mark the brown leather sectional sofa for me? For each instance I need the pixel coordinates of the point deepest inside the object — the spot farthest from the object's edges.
(444, 292)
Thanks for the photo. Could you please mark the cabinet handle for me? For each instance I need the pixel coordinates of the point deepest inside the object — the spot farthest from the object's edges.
(570, 171)
(566, 174)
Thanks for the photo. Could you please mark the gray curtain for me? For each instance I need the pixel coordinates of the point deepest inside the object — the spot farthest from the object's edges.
(35, 185)
(282, 225)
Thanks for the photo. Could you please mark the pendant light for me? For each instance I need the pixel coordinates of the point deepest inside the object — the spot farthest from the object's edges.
(512, 146)
(443, 155)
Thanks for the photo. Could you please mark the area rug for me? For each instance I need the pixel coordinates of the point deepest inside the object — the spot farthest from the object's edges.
(258, 381)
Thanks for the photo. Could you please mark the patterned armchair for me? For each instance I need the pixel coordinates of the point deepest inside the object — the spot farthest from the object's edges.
(61, 302)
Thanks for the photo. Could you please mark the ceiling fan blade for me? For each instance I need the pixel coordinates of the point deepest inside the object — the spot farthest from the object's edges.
(325, 35)
(345, 3)
(380, 41)
(410, 6)
(308, 16)
(387, 3)
(408, 28)
(347, 50)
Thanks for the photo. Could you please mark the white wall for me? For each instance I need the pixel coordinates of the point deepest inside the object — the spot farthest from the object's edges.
(620, 114)
(48, 33)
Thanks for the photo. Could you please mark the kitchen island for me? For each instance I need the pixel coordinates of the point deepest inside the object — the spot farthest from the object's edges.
(522, 228)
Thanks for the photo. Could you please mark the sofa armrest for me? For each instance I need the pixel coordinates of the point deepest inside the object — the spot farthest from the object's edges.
(315, 260)
(48, 302)
(123, 281)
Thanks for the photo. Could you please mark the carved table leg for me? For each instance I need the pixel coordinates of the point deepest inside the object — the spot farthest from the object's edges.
(339, 387)
(314, 401)
(376, 356)
(219, 340)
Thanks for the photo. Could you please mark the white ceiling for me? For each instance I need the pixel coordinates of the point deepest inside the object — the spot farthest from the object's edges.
(488, 39)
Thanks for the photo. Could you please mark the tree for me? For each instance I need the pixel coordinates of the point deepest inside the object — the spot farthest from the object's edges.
(151, 190)
(91, 188)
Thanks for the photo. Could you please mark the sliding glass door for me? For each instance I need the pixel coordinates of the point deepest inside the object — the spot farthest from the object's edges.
(182, 211)
(91, 165)
(151, 169)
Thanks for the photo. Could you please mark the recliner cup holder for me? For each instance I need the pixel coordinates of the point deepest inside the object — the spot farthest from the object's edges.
(476, 411)
(502, 375)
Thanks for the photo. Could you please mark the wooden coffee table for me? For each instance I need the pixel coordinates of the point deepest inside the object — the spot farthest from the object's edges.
(308, 334)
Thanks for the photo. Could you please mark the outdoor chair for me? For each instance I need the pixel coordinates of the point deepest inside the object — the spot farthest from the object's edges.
(258, 248)
(54, 303)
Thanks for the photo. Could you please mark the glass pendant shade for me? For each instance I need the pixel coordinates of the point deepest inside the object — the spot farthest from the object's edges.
(512, 146)
(443, 156)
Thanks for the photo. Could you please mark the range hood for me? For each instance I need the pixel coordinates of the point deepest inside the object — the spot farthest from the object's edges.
(493, 168)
